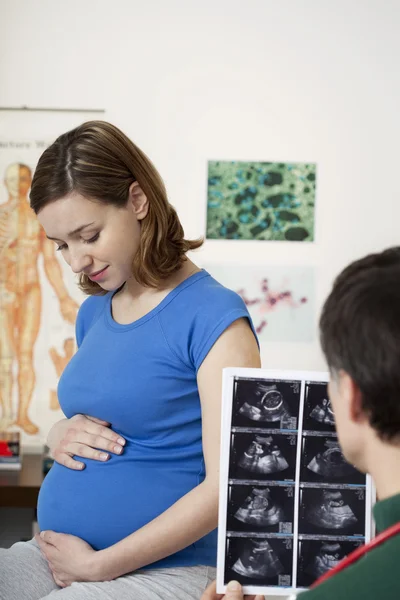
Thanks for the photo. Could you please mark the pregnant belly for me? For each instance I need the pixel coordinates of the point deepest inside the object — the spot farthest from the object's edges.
(108, 501)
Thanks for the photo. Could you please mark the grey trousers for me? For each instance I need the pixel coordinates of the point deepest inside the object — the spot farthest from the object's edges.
(24, 575)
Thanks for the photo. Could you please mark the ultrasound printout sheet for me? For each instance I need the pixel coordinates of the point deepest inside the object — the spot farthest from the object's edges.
(291, 507)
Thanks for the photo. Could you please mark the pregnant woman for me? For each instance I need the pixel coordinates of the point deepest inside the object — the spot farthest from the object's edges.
(153, 337)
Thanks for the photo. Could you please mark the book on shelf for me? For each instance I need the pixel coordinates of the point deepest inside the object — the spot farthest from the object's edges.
(10, 450)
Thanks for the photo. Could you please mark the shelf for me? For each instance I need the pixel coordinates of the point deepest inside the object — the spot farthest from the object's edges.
(20, 489)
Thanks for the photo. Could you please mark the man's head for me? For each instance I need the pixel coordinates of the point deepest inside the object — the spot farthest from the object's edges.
(360, 337)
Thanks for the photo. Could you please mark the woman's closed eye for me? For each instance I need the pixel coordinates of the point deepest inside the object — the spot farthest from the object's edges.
(93, 239)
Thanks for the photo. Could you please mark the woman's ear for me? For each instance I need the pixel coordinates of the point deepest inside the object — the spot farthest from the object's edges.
(138, 200)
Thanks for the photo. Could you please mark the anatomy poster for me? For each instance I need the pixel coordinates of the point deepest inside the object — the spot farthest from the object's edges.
(39, 298)
(291, 507)
(280, 300)
(261, 201)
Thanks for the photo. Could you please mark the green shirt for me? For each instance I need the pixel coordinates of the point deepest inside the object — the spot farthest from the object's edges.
(375, 576)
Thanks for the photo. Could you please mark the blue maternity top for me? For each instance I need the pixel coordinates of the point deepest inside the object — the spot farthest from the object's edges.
(141, 378)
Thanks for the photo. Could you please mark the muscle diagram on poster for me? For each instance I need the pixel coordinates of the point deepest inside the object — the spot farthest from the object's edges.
(39, 298)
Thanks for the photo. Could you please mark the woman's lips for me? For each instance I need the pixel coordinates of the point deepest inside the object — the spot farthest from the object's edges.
(99, 275)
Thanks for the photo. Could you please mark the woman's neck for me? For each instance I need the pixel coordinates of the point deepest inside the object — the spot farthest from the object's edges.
(134, 290)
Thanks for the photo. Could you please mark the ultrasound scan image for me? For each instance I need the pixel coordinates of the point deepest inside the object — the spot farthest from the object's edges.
(316, 557)
(323, 412)
(322, 461)
(263, 457)
(287, 483)
(265, 403)
(318, 413)
(327, 558)
(259, 561)
(260, 508)
(329, 510)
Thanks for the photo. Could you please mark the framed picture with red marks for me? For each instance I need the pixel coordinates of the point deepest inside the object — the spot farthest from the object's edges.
(280, 299)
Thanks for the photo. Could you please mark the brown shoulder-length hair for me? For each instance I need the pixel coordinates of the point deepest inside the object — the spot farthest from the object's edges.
(100, 162)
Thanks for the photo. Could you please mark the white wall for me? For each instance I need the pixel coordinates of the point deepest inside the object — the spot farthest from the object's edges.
(310, 80)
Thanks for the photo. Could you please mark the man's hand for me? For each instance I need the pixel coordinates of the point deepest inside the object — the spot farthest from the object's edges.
(233, 592)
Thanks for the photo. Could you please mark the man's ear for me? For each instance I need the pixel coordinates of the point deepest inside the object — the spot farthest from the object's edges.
(351, 394)
(138, 200)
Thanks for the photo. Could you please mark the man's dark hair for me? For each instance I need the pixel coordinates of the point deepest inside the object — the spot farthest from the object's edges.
(360, 334)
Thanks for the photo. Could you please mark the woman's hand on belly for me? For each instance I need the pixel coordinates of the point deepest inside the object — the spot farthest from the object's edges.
(85, 436)
(70, 558)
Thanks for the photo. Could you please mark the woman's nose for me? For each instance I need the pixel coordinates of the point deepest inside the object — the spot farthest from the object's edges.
(79, 261)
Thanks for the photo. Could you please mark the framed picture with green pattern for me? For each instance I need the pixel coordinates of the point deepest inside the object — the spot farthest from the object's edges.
(261, 201)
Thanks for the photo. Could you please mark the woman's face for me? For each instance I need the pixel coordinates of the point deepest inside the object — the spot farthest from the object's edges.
(97, 239)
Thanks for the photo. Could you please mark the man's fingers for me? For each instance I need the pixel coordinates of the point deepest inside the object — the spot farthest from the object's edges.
(234, 591)
(210, 592)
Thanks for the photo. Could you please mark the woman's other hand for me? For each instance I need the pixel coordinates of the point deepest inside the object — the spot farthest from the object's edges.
(69, 558)
(84, 436)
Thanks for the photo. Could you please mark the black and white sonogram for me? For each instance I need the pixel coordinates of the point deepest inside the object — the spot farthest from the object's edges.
(260, 508)
(316, 557)
(322, 461)
(262, 456)
(259, 561)
(318, 413)
(266, 403)
(330, 511)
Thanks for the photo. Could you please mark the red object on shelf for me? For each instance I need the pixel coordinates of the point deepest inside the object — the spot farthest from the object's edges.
(5, 449)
